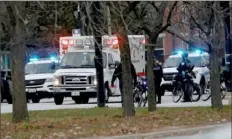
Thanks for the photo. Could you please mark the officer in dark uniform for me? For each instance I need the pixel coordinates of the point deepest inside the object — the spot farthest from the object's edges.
(158, 72)
(118, 74)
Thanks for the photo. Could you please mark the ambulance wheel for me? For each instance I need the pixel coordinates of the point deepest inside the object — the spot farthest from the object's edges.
(85, 100)
(58, 99)
(35, 99)
(77, 100)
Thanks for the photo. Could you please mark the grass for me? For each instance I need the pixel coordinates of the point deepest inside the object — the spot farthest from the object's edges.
(107, 122)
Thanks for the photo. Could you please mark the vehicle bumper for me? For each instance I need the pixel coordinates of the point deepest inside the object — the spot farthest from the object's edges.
(73, 91)
(41, 91)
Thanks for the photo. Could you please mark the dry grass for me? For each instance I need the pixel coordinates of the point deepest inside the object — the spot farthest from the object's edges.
(77, 123)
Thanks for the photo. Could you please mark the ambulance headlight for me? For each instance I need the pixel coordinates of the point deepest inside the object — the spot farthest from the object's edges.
(94, 80)
(56, 81)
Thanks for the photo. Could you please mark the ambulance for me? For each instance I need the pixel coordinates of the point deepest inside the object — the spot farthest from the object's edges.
(76, 76)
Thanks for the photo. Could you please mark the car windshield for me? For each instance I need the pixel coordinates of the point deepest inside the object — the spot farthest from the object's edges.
(39, 68)
(197, 61)
(80, 60)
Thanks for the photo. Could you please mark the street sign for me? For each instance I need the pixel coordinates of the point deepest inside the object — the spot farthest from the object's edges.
(76, 32)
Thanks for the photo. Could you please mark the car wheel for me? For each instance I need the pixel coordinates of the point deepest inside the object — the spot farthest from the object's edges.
(58, 99)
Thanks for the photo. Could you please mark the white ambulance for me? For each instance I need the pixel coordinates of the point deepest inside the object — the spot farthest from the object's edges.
(76, 77)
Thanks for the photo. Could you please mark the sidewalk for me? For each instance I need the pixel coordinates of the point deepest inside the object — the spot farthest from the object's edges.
(169, 132)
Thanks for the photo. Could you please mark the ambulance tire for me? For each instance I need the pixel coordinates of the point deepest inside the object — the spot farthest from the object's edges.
(77, 100)
(35, 99)
(58, 99)
(85, 100)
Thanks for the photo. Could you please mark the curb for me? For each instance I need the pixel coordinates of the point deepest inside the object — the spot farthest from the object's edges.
(162, 134)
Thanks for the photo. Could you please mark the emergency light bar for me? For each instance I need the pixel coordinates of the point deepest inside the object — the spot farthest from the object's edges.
(36, 58)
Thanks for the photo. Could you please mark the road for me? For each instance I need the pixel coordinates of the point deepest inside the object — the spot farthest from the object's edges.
(223, 132)
(48, 104)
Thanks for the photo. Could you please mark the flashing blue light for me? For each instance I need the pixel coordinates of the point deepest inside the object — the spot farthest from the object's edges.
(53, 56)
(33, 59)
(180, 52)
(198, 51)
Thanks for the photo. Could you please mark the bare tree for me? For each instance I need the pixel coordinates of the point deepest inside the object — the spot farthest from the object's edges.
(17, 32)
(208, 18)
(151, 17)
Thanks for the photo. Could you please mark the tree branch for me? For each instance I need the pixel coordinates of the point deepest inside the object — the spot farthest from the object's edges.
(171, 11)
(154, 6)
(198, 25)
(169, 18)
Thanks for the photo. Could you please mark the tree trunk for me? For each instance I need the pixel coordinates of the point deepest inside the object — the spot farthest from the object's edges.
(215, 81)
(17, 49)
(150, 78)
(217, 47)
(126, 75)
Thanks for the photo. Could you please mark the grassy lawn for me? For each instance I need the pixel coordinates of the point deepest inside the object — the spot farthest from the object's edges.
(107, 121)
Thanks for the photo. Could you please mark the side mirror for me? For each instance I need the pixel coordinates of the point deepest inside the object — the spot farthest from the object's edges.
(112, 66)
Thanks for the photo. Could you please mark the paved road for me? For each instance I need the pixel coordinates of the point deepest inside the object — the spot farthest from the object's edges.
(223, 132)
(47, 104)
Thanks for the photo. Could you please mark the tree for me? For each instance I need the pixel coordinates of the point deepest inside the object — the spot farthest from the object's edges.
(150, 17)
(207, 17)
(17, 30)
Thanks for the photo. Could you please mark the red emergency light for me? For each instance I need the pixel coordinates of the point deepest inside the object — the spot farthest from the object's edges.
(143, 41)
(66, 43)
(115, 41)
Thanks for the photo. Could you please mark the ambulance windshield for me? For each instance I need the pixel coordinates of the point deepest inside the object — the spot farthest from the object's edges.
(80, 60)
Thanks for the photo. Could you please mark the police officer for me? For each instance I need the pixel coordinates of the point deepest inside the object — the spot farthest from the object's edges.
(183, 66)
(118, 74)
(158, 73)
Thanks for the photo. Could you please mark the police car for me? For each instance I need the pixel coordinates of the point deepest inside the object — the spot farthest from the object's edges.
(199, 59)
(39, 78)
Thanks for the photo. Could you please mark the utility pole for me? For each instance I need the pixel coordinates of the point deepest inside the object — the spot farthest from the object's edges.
(98, 55)
(108, 20)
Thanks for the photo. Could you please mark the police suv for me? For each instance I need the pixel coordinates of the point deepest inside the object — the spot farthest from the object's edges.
(39, 78)
(199, 59)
